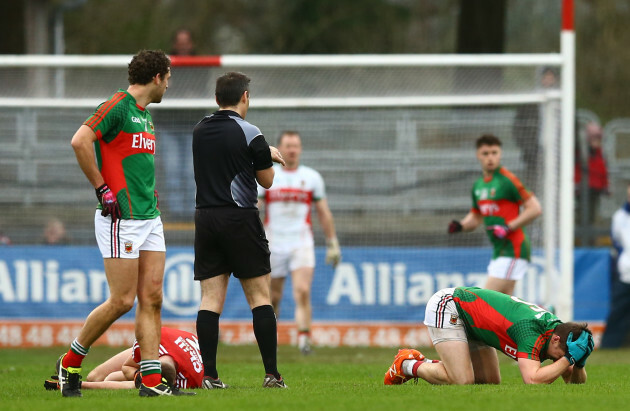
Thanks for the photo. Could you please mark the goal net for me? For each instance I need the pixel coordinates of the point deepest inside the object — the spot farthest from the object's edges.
(393, 137)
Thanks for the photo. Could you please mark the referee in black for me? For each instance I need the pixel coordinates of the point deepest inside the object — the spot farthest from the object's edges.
(229, 156)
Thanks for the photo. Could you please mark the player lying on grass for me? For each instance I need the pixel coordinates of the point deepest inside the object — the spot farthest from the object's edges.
(178, 353)
(466, 324)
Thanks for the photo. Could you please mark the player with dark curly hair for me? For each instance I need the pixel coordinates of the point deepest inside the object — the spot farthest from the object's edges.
(129, 233)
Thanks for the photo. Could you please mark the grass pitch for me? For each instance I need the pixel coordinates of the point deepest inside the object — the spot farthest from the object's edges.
(330, 379)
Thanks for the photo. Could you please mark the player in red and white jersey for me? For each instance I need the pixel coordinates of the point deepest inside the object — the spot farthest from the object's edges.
(289, 230)
(183, 348)
(178, 353)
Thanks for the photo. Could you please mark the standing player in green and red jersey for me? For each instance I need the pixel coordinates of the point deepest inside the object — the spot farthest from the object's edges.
(467, 324)
(127, 223)
(497, 198)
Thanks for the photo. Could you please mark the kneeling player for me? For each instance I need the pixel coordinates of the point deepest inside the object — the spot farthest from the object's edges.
(178, 354)
(466, 324)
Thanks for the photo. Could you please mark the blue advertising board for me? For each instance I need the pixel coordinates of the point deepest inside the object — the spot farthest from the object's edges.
(371, 284)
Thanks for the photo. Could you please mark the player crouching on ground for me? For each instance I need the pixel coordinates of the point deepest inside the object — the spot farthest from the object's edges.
(466, 324)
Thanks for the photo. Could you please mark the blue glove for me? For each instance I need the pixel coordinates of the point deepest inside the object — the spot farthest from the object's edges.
(577, 349)
(591, 345)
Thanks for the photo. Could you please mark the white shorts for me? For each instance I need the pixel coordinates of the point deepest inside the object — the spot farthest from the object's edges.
(126, 238)
(508, 268)
(442, 319)
(285, 261)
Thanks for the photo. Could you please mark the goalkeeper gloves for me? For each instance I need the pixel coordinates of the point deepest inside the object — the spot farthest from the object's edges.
(454, 227)
(591, 345)
(499, 231)
(333, 252)
(576, 350)
(108, 201)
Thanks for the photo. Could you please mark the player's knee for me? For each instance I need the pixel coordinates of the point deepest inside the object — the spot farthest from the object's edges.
(302, 293)
(123, 304)
(94, 375)
(462, 379)
(151, 300)
(495, 379)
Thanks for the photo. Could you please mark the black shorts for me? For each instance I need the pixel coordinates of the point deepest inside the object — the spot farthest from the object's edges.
(230, 240)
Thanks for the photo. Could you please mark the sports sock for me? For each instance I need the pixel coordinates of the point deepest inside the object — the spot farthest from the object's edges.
(266, 332)
(208, 334)
(75, 355)
(151, 371)
(304, 337)
(408, 366)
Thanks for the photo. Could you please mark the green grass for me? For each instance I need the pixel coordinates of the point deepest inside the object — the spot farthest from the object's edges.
(331, 379)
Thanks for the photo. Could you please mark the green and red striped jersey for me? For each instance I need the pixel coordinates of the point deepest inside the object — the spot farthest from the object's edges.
(125, 151)
(507, 323)
(498, 200)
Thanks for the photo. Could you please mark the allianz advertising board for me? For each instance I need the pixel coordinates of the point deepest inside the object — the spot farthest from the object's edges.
(370, 284)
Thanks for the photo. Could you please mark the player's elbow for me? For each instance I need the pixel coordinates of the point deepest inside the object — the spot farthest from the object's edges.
(535, 207)
(76, 143)
(265, 177)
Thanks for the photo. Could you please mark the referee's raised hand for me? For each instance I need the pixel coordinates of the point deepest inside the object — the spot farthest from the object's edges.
(276, 157)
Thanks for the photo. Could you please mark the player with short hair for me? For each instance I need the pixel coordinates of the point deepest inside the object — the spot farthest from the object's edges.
(467, 324)
(179, 355)
(288, 227)
(229, 156)
(497, 198)
(129, 233)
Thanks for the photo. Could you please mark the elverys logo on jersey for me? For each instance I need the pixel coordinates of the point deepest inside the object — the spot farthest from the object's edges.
(144, 142)
(181, 292)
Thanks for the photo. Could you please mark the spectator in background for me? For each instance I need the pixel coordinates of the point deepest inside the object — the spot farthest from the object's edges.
(596, 169)
(183, 44)
(55, 233)
(176, 140)
(617, 332)
(4, 239)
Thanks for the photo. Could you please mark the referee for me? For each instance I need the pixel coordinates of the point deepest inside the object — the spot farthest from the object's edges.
(229, 156)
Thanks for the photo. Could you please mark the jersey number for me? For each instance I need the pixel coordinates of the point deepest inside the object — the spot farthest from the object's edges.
(533, 307)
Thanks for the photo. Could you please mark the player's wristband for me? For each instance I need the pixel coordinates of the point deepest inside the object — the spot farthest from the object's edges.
(570, 359)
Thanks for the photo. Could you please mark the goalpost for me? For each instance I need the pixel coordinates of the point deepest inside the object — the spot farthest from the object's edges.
(392, 135)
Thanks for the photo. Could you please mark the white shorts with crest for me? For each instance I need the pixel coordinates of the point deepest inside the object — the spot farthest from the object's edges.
(442, 319)
(126, 238)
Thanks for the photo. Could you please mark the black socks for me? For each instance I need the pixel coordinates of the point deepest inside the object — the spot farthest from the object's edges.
(266, 332)
(208, 334)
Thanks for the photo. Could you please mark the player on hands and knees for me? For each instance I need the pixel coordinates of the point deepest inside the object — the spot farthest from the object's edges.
(468, 324)
(288, 227)
(497, 198)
